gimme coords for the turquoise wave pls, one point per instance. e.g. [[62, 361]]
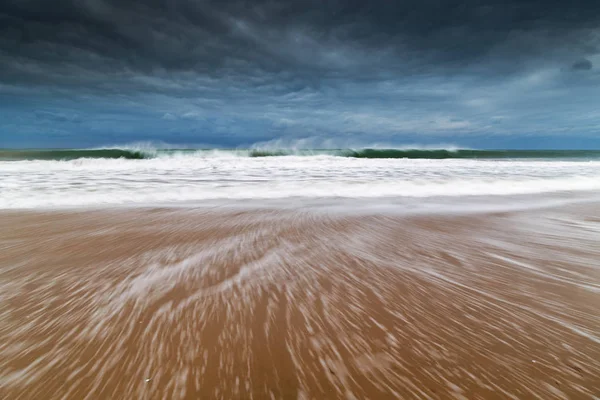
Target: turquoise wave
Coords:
[[434, 154], [471, 154], [22, 155]]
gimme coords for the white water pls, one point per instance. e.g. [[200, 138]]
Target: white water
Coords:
[[189, 179]]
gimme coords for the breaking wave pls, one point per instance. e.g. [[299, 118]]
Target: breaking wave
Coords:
[[150, 153]]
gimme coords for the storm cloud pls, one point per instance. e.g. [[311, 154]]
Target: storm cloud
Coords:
[[233, 73], [583, 65]]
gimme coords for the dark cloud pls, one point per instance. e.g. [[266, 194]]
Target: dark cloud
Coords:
[[295, 67], [218, 38], [582, 65]]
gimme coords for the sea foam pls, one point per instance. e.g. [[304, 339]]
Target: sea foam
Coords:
[[185, 177]]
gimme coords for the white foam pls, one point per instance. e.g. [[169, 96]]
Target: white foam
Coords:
[[186, 177]]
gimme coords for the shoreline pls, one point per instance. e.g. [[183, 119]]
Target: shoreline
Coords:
[[145, 303], [399, 206]]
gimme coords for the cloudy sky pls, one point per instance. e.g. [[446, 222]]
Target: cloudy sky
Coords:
[[230, 73]]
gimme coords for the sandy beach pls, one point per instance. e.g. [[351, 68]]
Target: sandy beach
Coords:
[[233, 304]]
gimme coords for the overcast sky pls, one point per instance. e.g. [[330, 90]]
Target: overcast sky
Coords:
[[488, 73]]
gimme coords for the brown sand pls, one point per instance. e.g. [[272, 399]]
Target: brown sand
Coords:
[[189, 304]]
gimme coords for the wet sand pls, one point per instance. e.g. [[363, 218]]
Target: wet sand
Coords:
[[190, 304]]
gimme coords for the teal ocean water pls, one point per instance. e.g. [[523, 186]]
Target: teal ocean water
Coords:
[[434, 154]]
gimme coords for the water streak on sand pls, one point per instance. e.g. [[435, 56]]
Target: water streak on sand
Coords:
[[187, 303]]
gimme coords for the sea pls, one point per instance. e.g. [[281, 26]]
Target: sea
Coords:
[[411, 180]]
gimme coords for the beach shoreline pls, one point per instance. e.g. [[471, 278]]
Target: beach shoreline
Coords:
[[214, 303]]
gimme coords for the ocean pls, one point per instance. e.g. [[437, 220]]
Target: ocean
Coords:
[[32, 179]]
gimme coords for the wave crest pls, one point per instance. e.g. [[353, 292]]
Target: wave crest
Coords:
[[141, 153], [67, 155]]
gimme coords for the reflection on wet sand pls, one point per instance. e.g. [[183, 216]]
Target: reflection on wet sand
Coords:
[[189, 304]]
